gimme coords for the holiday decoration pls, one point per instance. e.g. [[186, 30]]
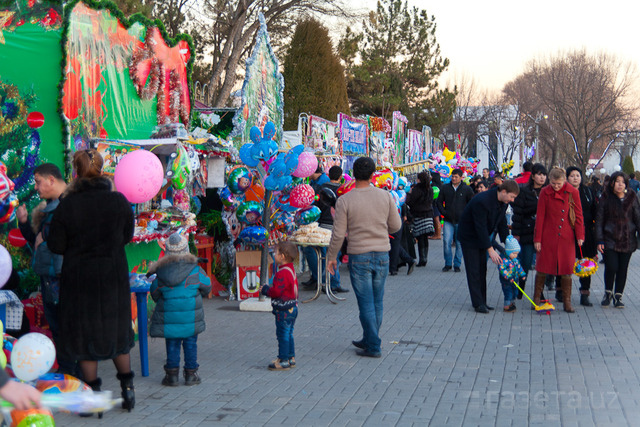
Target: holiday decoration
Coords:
[[138, 176], [16, 238]]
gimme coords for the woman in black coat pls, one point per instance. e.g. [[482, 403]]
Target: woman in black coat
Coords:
[[524, 217], [90, 228], [589, 203], [420, 201], [617, 224]]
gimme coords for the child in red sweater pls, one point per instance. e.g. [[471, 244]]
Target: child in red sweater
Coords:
[[284, 300]]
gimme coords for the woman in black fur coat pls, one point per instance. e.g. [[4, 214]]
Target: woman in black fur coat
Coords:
[[90, 228], [617, 224], [420, 201], [589, 203]]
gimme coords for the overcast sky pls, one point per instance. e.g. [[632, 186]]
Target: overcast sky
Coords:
[[492, 40]]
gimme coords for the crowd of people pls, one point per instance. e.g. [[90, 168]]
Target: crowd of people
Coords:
[[80, 230]]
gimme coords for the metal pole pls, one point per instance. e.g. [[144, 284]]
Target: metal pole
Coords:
[[264, 259]]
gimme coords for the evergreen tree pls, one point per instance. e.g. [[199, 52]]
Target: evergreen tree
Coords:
[[627, 165], [394, 65], [314, 79]]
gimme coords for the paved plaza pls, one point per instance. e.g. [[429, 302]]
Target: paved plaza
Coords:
[[442, 363]]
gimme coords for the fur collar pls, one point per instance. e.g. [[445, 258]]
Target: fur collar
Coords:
[[170, 259], [37, 216], [99, 183]]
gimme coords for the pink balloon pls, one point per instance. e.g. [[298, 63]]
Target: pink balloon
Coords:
[[139, 176], [302, 196], [307, 165]]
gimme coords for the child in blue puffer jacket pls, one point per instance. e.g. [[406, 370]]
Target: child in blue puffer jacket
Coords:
[[179, 317]]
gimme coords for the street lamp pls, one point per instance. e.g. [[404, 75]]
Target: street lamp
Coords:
[[539, 116]]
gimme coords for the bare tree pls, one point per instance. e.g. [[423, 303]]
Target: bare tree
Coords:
[[465, 122], [586, 97], [231, 26]]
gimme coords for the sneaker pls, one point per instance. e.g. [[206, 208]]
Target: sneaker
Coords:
[[617, 301], [510, 308], [279, 365], [446, 268], [292, 362], [606, 300]]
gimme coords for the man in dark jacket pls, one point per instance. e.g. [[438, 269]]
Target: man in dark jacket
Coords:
[[50, 184], [452, 200], [482, 217]]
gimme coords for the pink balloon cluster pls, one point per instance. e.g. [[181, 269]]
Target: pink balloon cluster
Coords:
[[307, 165]]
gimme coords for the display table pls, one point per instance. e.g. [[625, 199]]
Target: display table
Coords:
[[327, 278]]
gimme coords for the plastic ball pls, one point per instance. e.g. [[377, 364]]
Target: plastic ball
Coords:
[[301, 196], [32, 355], [249, 212], [139, 176], [239, 180], [308, 215], [307, 165]]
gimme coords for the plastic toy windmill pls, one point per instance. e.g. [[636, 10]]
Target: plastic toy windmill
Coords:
[[546, 307], [585, 267]]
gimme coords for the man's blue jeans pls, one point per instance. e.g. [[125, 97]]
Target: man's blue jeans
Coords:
[[449, 233], [312, 261], [368, 273], [285, 320], [190, 346]]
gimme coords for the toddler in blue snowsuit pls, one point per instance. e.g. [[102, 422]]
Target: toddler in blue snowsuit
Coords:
[[510, 271]]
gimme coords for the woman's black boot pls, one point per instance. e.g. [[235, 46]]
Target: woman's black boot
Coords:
[[128, 392]]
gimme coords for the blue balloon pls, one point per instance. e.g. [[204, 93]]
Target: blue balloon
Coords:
[[255, 235], [246, 157]]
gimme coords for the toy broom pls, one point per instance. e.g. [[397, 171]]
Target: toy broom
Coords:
[[547, 306]]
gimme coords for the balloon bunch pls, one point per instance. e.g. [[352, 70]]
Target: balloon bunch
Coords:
[[290, 200], [506, 168], [445, 161], [390, 181]]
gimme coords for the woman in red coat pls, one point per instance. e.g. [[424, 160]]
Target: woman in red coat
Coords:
[[555, 235]]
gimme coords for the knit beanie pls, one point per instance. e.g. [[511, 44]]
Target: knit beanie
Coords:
[[176, 245], [511, 245]]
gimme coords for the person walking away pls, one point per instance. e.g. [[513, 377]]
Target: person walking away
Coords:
[[525, 208], [50, 185], [90, 227], [510, 272], [633, 183], [284, 301], [527, 167], [178, 290], [420, 202], [327, 195], [369, 215], [559, 223], [589, 210], [617, 225], [484, 216], [452, 200]]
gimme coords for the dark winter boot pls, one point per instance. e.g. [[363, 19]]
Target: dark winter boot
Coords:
[[584, 299], [566, 293], [539, 286], [606, 300], [617, 301], [95, 386], [423, 250], [128, 393], [191, 376], [171, 377]]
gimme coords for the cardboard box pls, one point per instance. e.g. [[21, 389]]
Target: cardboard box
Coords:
[[248, 274]]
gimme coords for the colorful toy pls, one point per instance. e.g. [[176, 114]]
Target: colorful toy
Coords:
[[264, 148], [8, 199], [281, 169], [585, 267], [545, 306], [179, 170]]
